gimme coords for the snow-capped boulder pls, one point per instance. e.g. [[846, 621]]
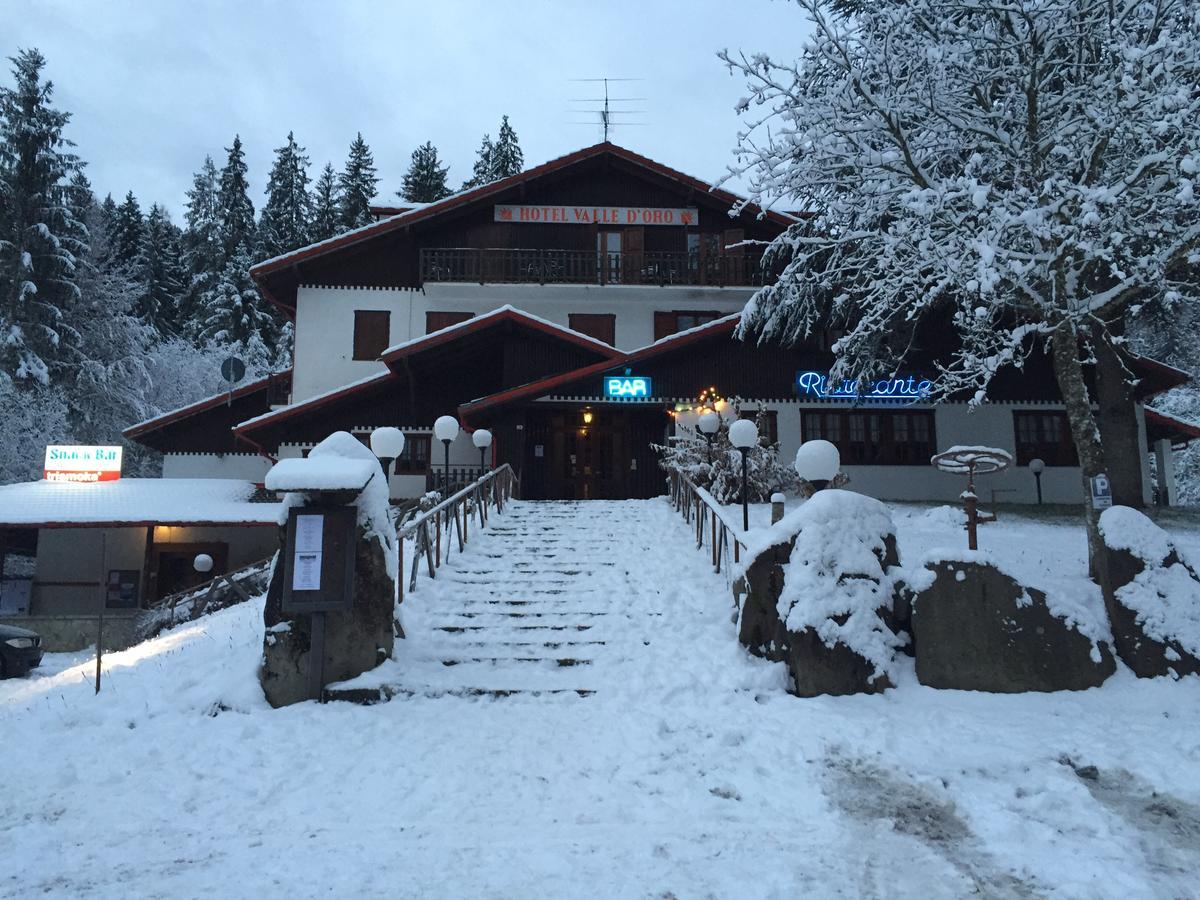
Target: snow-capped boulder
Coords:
[[358, 640], [976, 628], [1152, 595], [819, 595]]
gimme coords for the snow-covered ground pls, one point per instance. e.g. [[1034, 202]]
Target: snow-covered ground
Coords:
[[687, 773]]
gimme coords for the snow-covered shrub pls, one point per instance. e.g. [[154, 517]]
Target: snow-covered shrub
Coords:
[[688, 454]]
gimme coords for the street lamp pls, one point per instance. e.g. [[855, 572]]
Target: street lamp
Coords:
[[743, 434], [817, 462], [482, 438], [1037, 467], [387, 444], [709, 425], [203, 563], [445, 429]]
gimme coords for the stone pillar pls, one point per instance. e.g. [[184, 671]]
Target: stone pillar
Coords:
[[1164, 461]]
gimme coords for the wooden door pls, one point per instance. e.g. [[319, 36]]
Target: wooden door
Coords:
[[633, 256]]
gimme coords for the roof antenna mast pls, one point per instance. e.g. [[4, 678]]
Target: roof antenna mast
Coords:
[[609, 114]]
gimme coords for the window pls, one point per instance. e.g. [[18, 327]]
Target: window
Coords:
[[1045, 436], [772, 422], [668, 323], [603, 327], [875, 438], [371, 328], [415, 458], [436, 321]]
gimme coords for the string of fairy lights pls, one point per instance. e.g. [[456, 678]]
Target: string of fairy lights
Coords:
[[710, 400]]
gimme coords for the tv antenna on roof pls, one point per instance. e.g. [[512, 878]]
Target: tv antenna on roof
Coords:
[[610, 117]]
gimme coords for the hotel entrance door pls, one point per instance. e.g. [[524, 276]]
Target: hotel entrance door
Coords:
[[599, 453]]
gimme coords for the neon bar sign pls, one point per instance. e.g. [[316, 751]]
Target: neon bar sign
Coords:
[[817, 384], [626, 386]]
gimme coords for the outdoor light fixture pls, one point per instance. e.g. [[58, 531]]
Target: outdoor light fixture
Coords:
[[203, 563], [445, 429], [709, 424], [743, 434], [587, 417], [817, 462], [387, 444], [1037, 467], [482, 438]]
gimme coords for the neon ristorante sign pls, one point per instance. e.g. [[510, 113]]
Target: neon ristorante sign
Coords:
[[911, 388]]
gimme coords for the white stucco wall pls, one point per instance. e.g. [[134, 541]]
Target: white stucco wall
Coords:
[[247, 466], [325, 317]]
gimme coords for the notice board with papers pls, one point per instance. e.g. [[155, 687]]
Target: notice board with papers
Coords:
[[318, 559]]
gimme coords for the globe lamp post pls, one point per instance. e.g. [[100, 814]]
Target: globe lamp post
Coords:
[[818, 462], [387, 444], [709, 424], [743, 434], [445, 429], [1037, 467], [482, 438]]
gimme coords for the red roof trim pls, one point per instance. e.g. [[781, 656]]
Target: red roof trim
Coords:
[[459, 200], [1170, 423], [312, 403], [546, 385], [1172, 376], [139, 524], [487, 320], [201, 406]]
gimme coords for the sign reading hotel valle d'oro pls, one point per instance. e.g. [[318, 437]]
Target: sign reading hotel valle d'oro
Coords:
[[596, 215], [626, 386], [68, 462], [818, 384]]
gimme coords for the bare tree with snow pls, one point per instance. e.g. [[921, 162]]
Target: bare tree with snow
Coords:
[[1019, 170]]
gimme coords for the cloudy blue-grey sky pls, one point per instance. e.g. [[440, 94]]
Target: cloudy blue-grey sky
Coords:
[[154, 86]]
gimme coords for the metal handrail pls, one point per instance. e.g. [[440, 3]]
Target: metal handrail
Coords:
[[698, 506], [494, 489]]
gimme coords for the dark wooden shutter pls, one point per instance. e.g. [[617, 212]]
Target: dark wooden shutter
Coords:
[[371, 327], [733, 268], [633, 256], [436, 321], [601, 326], [664, 324]]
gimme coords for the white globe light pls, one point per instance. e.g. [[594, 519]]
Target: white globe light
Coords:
[[445, 428], [481, 438], [203, 563], [818, 461], [709, 423], [1037, 466], [743, 434], [387, 443]]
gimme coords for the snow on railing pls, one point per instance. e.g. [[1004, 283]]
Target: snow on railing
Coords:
[[701, 510], [425, 529]]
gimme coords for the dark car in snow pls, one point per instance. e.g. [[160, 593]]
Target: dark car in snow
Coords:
[[20, 650]]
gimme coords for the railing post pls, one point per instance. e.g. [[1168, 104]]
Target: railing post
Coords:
[[400, 565]]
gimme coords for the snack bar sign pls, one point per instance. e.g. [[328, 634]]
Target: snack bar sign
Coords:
[[69, 462], [596, 215]]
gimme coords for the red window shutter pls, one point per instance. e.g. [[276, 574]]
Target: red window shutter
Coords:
[[601, 326], [436, 321], [664, 325], [371, 328]]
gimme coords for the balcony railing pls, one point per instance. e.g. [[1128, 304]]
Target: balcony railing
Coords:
[[510, 266]]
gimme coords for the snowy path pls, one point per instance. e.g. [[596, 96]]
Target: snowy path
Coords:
[[688, 773], [564, 598]]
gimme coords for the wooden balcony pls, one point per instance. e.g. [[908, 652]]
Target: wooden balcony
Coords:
[[642, 267]]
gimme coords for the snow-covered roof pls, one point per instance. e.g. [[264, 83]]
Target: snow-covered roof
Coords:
[[316, 399], [134, 501], [321, 474], [207, 403], [507, 310]]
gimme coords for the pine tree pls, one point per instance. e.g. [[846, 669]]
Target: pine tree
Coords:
[[425, 181], [40, 238], [287, 213], [233, 203], [326, 215], [233, 311], [128, 228], [161, 274], [507, 158], [481, 172], [356, 185], [203, 252]]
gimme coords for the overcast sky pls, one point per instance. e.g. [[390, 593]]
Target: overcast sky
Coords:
[[154, 86]]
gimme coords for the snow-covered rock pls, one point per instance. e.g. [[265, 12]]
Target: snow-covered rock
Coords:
[[1152, 595]]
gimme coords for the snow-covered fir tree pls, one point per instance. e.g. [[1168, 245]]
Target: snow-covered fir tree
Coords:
[[203, 246], [234, 313], [128, 229], [286, 216], [160, 273], [40, 238], [481, 170], [326, 206], [507, 158], [357, 186], [425, 180], [948, 187], [234, 207]]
